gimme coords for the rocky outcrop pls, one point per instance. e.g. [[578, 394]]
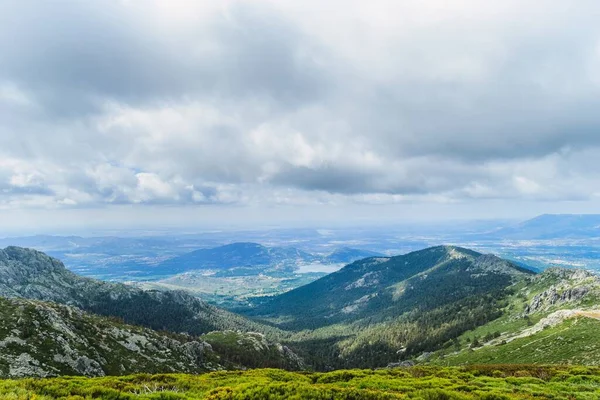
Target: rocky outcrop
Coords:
[[564, 286], [554, 319], [555, 296], [44, 339], [401, 364]]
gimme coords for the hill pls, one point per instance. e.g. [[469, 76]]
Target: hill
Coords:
[[46, 339], [385, 309], [234, 255], [31, 274], [383, 287]]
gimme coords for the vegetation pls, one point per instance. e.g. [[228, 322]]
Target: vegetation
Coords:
[[498, 382], [47, 339], [251, 350], [574, 340], [443, 305], [381, 310], [34, 275]]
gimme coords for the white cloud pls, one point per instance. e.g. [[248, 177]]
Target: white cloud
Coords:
[[298, 103]]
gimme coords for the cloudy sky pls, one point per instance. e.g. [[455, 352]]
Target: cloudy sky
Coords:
[[194, 112]]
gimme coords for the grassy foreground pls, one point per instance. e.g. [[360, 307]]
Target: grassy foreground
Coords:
[[492, 382]]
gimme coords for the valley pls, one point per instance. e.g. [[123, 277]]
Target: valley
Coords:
[[238, 269], [433, 307], [299, 200], [443, 305]]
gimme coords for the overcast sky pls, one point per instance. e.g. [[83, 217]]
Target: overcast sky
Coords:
[[195, 112]]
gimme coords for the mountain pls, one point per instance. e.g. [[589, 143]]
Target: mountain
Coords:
[[252, 258], [46, 339], [552, 226], [388, 309], [234, 255], [34, 275], [383, 287]]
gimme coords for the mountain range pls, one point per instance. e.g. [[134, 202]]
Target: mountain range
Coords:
[[550, 226], [444, 304]]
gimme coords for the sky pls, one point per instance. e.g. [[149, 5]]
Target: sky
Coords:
[[125, 113]]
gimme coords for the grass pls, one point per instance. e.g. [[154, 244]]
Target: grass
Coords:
[[575, 340], [497, 382]]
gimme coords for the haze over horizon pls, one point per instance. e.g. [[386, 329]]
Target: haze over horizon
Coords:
[[138, 114]]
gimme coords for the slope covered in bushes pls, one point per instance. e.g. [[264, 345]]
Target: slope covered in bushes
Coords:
[[500, 382]]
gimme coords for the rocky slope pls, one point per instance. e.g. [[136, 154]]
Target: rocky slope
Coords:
[[47, 339], [31, 274]]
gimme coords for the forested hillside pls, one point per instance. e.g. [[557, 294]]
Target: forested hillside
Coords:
[[383, 310], [379, 288]]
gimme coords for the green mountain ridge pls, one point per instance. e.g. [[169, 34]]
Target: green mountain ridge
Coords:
[[381, 287], [384, 310]]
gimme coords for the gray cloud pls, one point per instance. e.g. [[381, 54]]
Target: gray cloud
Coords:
[[257, 102], [74, 55]]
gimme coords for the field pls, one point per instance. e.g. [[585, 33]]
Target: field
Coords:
[[495, 382], [232, 291]]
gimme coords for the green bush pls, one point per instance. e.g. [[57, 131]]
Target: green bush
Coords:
[[484, 382]]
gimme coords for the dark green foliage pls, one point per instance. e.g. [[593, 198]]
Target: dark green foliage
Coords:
[[250, 350], [381, 289], [381, 310]]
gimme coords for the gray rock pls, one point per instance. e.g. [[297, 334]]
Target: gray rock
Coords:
[[402, 364]]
